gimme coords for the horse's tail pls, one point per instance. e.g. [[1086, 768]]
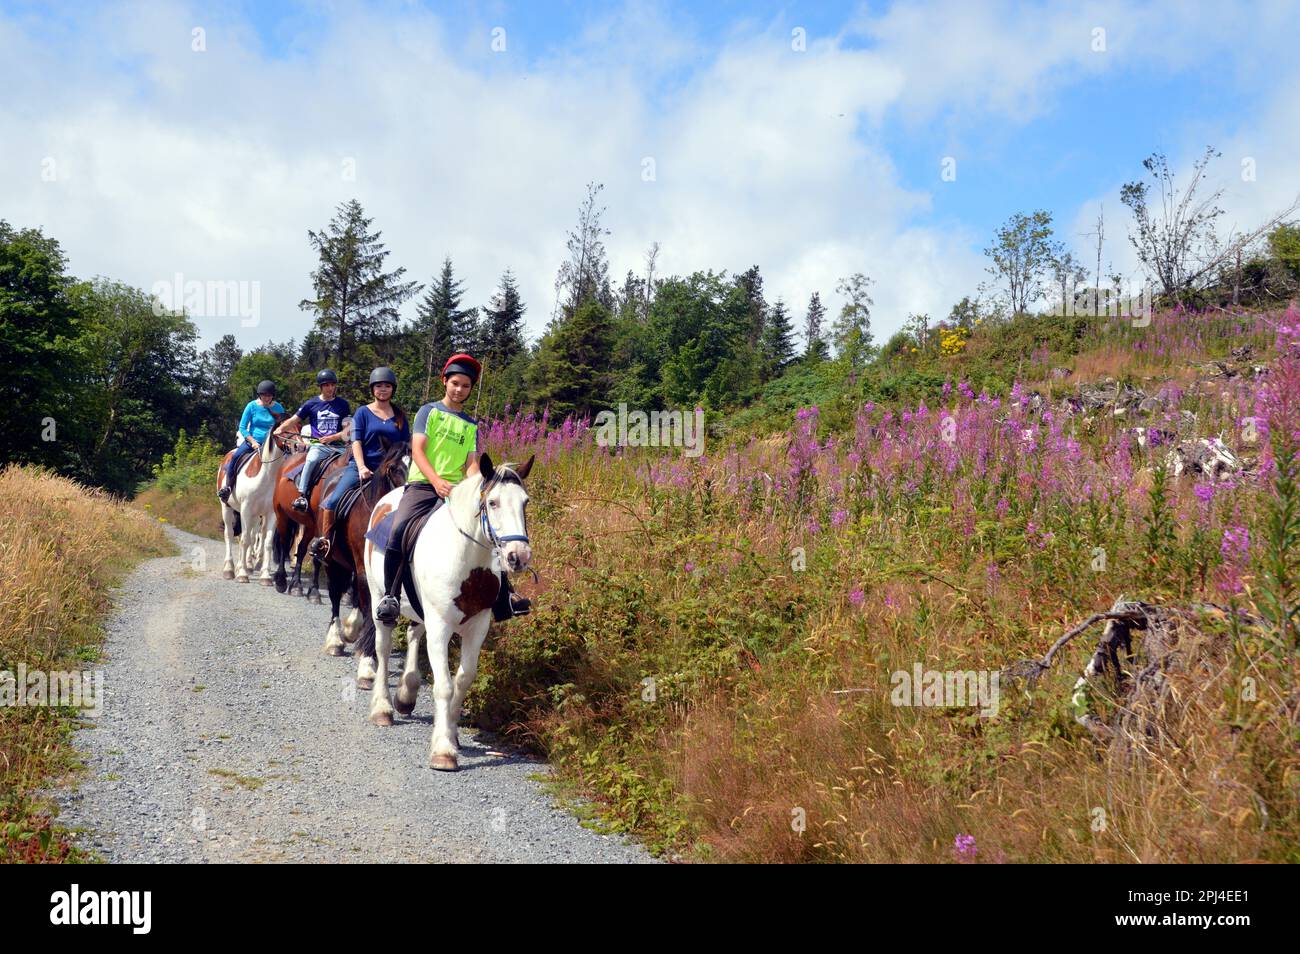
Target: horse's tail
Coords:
[[365, 643]]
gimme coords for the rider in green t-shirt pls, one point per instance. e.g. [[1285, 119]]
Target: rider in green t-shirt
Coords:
[[444, 450]]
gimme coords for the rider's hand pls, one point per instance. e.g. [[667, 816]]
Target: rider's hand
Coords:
[[442, 485], [365, 472]]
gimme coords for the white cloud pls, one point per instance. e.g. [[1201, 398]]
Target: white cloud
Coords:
[[215, 164]]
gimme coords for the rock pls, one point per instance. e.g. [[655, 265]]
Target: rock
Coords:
[[1207, 457]]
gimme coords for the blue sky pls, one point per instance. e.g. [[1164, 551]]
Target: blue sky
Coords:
[[147, 158]]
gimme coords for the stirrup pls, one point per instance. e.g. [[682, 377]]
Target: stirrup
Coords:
[[388, 609], [300, 504], [224, 494], [520, 605], [320, 548]]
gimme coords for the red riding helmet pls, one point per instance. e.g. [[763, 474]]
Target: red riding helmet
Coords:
[[462, 364]]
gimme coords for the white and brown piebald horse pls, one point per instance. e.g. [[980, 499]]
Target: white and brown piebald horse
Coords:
[[478, 531], [249, 513]]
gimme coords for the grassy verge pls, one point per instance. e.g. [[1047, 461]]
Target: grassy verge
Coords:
[[714, 650], [183, 491], [62, 546]]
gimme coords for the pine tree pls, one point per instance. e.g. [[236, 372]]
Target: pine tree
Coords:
[[777, 346], [571, 374], [815, 344], [584, 275], [440, 323], [356, 300], [751, 284], [503, 323]]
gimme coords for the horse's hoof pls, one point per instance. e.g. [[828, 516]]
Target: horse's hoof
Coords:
[[334, 651], [365, 682], [443, 763], [405, 708], [243, 579], [317, 600], [227, 574], [267, 582], [382, 718]]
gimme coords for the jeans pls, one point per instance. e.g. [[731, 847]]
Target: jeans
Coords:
[[316, 455], [347, 480], [237, 459]]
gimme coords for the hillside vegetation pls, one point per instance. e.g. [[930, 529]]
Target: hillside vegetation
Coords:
[[62, 546], [715, 639]]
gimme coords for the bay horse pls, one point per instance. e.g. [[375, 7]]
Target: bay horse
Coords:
[[248, 513], [345, 569], [480, 529], [289, 521]]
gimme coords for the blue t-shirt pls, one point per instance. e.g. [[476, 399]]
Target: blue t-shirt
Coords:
[[324, 416], [368, 428], [258, 419]]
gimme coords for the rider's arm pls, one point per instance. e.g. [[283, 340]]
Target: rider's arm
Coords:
[[358, 436], [287, 424], [245, 422]]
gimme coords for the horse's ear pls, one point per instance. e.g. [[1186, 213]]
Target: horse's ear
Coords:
[[523, 471], [485, 466]]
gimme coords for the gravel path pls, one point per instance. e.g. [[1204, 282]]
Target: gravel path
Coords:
[[226, 735]]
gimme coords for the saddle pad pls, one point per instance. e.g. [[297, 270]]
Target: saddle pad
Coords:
[[292, 473], [380, 532]]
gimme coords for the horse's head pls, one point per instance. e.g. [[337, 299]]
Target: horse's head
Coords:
[[504, 502], [391, 470]]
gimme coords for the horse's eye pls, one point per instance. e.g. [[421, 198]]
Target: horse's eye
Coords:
[[494, 503]]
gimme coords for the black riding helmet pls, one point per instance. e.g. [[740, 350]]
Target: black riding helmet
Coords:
[[327, 377], [266, 387], [383, 376]]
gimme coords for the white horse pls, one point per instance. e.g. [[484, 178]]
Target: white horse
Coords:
[[250, 511], [480, 529]]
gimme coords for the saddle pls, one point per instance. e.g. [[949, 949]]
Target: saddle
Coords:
[[380, 535]]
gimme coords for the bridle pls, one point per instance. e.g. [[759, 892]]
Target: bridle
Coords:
[[495, 538]]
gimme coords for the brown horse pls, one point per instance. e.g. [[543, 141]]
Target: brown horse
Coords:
[[289, 521], [345, 567]]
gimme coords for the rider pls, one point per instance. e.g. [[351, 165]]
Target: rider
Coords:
[[325, 414], [381, 419], [259, 417], [445, 449]]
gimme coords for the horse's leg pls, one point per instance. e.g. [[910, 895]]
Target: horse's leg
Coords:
[[246, 531], [408, 687], [314, 592], [442, 752], [366, 635], [280, 550], [338, 579], [471, 642], [381, 703], [228, 521], [267, 547]]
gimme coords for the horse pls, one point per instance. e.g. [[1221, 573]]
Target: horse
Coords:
[[288, 521], [248, 513], [479, 529], [344, 567]]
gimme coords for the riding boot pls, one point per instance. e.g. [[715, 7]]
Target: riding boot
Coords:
[[509, 603], [320, 547], [390, 605]]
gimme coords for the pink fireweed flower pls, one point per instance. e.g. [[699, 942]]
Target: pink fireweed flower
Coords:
[[839, 517], [963, 847], [1236, 544], [857, 597]]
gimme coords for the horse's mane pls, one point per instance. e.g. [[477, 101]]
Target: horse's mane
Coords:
[[390, 473]]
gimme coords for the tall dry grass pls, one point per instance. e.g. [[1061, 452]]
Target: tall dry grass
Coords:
[[62, 546]]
